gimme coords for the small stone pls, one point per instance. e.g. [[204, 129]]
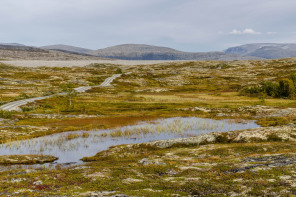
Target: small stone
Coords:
[[17, 180], [131, 180], [81, 167], [38, 182], [285, 177], [120, 195], [171, 172], [146, 161], [98, 194]]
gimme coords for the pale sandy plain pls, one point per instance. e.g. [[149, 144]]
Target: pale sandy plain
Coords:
[[80, 63]]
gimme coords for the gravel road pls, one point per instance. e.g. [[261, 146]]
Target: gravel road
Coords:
[[15, 106]]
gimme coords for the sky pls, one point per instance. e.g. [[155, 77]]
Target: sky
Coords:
[[187, 25]]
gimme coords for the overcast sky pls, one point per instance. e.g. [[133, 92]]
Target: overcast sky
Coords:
[[188, 25]]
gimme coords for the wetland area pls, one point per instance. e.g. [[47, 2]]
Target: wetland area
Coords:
[[195, 128], [71, 147]]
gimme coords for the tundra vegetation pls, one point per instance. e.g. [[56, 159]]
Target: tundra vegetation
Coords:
[[259, 162]]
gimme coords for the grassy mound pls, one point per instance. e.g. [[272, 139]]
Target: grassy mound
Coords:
[[26, 159]]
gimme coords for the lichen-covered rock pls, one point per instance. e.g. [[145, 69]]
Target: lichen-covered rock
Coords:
[[202, 139], [146, 162], [268, 111], [277, 133]]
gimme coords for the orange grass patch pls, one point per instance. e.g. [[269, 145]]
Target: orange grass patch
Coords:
[[104, 122]]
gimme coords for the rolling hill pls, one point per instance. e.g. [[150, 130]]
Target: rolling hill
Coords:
[[67, 48], [22, 52], [149, 52], [265, 50], [146, 52]]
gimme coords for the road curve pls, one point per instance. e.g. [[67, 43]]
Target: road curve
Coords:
[[15, 106], [106, 83]]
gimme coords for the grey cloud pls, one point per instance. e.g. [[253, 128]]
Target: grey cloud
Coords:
[[190, 25]]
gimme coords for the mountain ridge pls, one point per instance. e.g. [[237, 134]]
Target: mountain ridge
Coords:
[[64, 47], [16, 51], [241, 52], [150, 52], [265, 50]]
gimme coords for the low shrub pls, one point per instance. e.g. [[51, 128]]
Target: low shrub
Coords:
[[285, 88]]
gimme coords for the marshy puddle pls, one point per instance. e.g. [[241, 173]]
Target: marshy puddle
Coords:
[[72, 146]]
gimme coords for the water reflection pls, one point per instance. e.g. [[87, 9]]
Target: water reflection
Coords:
[[72, 146]]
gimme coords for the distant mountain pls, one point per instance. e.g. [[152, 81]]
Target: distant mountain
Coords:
[[23, 52], [15, 46], [12, 44], [67, 48], [264, 50], [149, 52]]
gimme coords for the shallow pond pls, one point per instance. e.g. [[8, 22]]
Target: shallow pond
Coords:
[[72, 146]]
